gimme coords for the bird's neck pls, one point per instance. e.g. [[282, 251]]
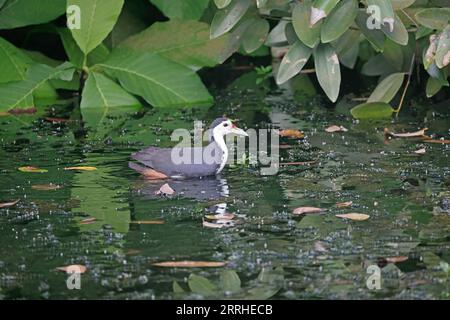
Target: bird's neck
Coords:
[[220, 141]]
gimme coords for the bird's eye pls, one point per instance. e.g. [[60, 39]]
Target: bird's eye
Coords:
[[225, 124]]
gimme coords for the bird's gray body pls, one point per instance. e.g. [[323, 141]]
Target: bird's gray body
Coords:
[[162, 160]]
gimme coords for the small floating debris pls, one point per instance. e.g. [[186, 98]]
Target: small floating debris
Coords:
[[165, 190], [291, 133], [9, 204], [344, 204], [46, 187], [88, 221], [335, 128], [354, 216], [319, 247], [221, 216], [443, 141], [189, 264], [396, 259], [148, 222], [81, 168], [73, 268], [420, 151], [32, 169], [305, 210], [416, 134]]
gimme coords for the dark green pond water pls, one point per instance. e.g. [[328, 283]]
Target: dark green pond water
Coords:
[[274, 253]]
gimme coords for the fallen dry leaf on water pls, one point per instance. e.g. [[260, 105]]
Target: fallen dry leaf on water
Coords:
[[291, 133], [319, 247], [221, 216], [32, 169], [207, 224], [147, 222], [437, 141], [304, 210], [420, 151], [88, 221], [420, 133], [396, 259], [45, 187], [56, 120], [344, 204], [165, 190], [189, 264], [335, 128], [3, 114], [299, 163], [81, 168], [354, 216], [73, 268], [8, 204]]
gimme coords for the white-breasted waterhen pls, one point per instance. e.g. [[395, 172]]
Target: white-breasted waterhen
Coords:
[[163, 163]]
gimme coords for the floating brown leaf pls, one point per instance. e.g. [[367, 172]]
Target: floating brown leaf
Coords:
[[32, 169], [420, 133], [304, 210], [73, 268], [207, 224], [396, 259], [319, 247], [335, 128], [45, 187], [9, 204], [81, 168], [147, 222], [56, 120], [344, 204], [420, 151], [19, 111], [437, 141], [165, 190], [88, 221], [354, 216], [291, 133], [189, 264], [299, 163], [221, 216]]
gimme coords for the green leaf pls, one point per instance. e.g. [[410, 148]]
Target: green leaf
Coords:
[[161, 82], [433, 18], [401, 4], [185, 9], [377, 66], [350, 57], [222, 3], [192, 47], [328, 71], [339, 20], [76, 56], [386, 11], [235, 38], [100, 92], [393, 54], [387, 89], [98, 18], [13, 63], [255, 36], [19, 13], [433, 87], [225, 19], [277, 36], [442, 57], [372, 110], [293, 62], [398, 33], [19, 94], [177, 288], [300, 19], [201, 285], [320, 9], [230, 281], [374, 36]]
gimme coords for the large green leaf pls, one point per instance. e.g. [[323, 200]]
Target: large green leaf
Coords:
[[339, 20], [161, 82], [300, 20], [13, 64], [442, 57], [185, 9], [98, 18], [386, 11], [230, 281], [433, 87], [192, 47], [201, 285], [401, 4], [19, 94], [76, 56], [293, 62], [433, 18], [328, 71], [19, 13], [222, 3], [256, 35], [374, 36], [320, 9], [373, 110], [398, 33], [388, 88], [225, 19]]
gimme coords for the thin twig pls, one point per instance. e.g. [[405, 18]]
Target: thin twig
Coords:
[[397, 111]]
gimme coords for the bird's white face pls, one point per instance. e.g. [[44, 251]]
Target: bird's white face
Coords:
[[228, 127]]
